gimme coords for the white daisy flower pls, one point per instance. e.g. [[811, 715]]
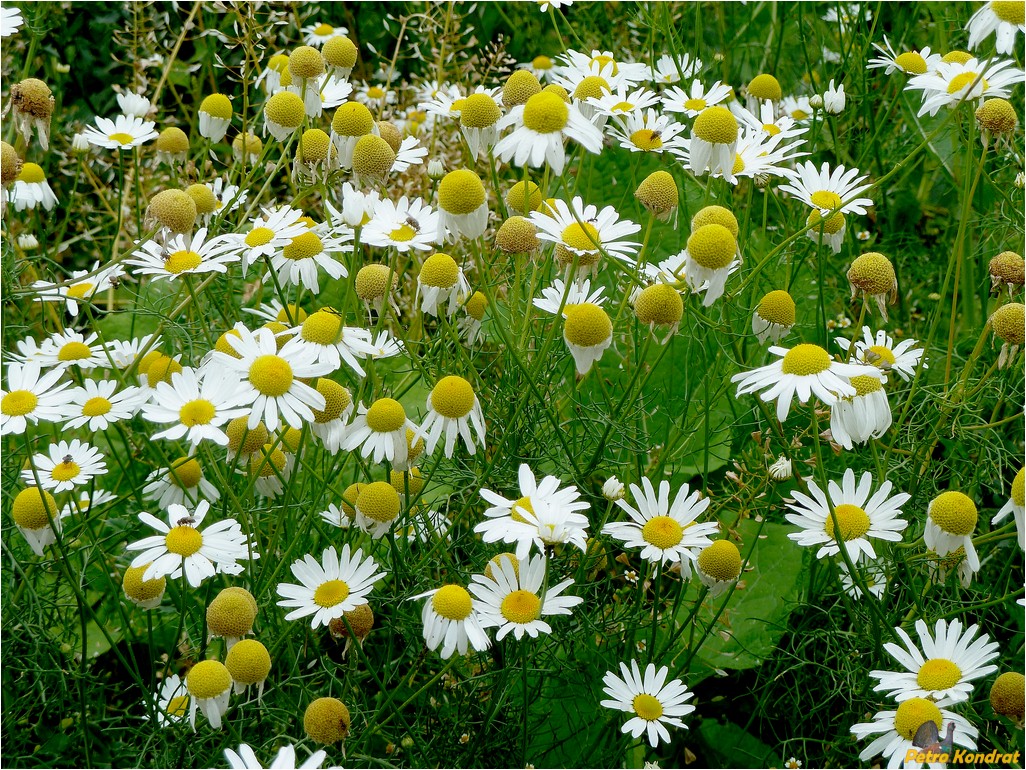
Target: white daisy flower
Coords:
[[271, 378], [1016, 506], [403, 225], [196, 405], [951, 519], [544, 525], [387, 346], [798, 108], [864, 416], [453, 407], [124, 353], [210, 685], [66, 349], [767, 121], [712, 254], [86, 501], [620, 102], [285, 759], [879, 350], [859, 516], [713, 145], [324, 333], [441, 282], [1005, 20], [803, 370], [229, 197], [358, 208], [516, 600], [182, 549], [559, 296], [828, 190], [601, 63], [694, 100], [171, 702], [451, 621], [945, 669], [122, 133], [270, 233], [910, 62], [665, 532], [653, 702], [339, 583], [31, 189], [133, 105], [588, 333], [297, 262], [177, 257], [541, 125], [380, 433], [36, 516], [972, 81], [898, 729], [65, 466], [31, 396], [641, 131], [583, 233], [97, 405], [873, 575], [319, 34], [760, 155], [669, 69], [376, 97], [337, 517], [180, 483], [80, 287], [10, 21]]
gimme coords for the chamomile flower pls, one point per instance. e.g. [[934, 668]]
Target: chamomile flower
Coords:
[[603, 65], [86, 501], [695, 99], [80, 288], [324, 333], [321, 33], [798, 108], [515, 600], [379, 432], [543, 525], [441, 281], [210, 686], [910, 62], [559, 296], [97, 405], [270, 234], [31, 189], [665, 531], [132, 104], [620, 102], [171, 701], [859, 516], [337, 517], [654, 702], [649, 132], [36, 516], [945, 669], [713, 145], [271, 378], [195, 405], [66, 349], [403, 225], [334, 92], [122, 133], [228, 197], [898, 728], [65, 466], [760, 155], [182, 549], [587, 332], [453, 407], [339, 583], [340, 56], [375, 96], [451, 621], [1016, 506], [285, 759], [952, 82], [541, 126], [859, 418], [178, 257], [774, 316], [951, 519], [583, 233], [298, 261], [1004, 19], [10, 21], [880, 351], [669, 69], [31, 396], [873, 575], [768, 122], [803, 370], [358, 208], [181, 482], [826, 190], [710, 257]]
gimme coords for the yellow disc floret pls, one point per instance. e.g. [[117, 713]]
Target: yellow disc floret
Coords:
[[721, 560], [378, 501], [804, 360], [1010, 11], [461, 192], [520, 86], [938, 674], [30, 507], [268, 460], [591, 86], [658, 192], [663, 532], [911, 62], [517, 235], [386, 415], [954, 512], [204, 198], [452, 602], [659, 304], [1009, 322], [997, 116], [777, 307], [340, 51], [174, 209], [326, 721], [322, 328], [873, 273], [241, 439], [314, 146], [10, 163], [496, 562], [232, 612], [372, 156], [712, 246], [1019, 488], [337, 400], [218, 106], [524, 197], [306, 62], [208, 679], [271, 375], [546, 113], [33, 97], [1009, 268], [360, 619], [161, 370], [647, 707], [352, 119], [285, 109], [587, 325], [18, 403], [716, 125], [453, 397], [139, 589], [173, 141], [1008, 694], [479, 111], [913, 713], [521, 607], [715, 215], [476, 306], [765, 87], [852, 521], [248, 662], [439, 270], [412, 479], [372, 281]]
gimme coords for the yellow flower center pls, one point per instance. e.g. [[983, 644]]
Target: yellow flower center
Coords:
[[32, 173], [765, 87], [864, 384], [80, 290], [525, 503], [546, 113], [439, 270], [1010, 11], [911, 62], [74, 351], [582, 236], [593, 85], [352, 119], [218, 106], [479, 111], [18, 402], [208, 679], [521, 607], [30, 508], [196, 412], [303, 247], [716, 125], [913, 714], [852, 520], [659, 304], [938, 674], [541, 63], [271, 375], [965, 79], [386, 415], [805, 359], [259, 236], [185, 473], [96, 406], [715, 215], [402, 234], [452, 397], [461, 192], [955, 513], [721, 560], [324, 29], [139, 589], [771, 128], [322, 328], [375, 92], [248, 662], [777, 307], [1019, 488], [65, 471], [587, 325], [452, 602], [647, 707], [825, 199], [182, 261], [184, 541], [696, 105], [712, 246], [121, 138], [378, 501], [662, 532], [647, 140], [330, 593], [831, 225], [605, 61]]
